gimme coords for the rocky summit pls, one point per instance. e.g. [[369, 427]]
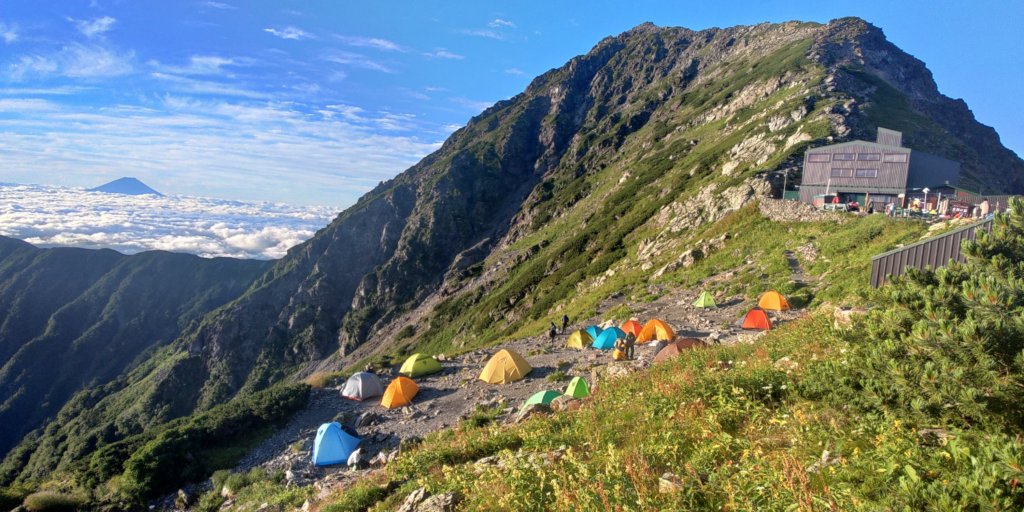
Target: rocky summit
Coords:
[[604, 183]]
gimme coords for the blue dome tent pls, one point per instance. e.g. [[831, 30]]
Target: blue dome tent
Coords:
[[594, 331], [333, 444], [606, 341]]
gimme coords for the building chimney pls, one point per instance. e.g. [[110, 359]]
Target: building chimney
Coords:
[[887, 137]]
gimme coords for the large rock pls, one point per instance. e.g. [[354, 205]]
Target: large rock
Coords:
[[565, 403], [530, 411], [844, 316], [438, 503], [412, 500]]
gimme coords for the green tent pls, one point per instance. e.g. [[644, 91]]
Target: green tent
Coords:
[[544, 397], [705, 301], [578, 388], [420, 364]]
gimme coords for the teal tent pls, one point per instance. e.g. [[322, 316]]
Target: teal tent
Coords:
[[333, 444], [606, 341], [578, 387], [594, 331], [544, 397]]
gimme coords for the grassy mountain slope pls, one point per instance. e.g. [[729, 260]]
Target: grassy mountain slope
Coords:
[[588, 183], [73, 319]]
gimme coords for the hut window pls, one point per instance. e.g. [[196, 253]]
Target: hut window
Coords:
[[842, 173], [818, 157], [895, 157], [867, 173], [870, 157], [844, 156]]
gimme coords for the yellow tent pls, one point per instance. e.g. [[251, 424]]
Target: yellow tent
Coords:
[[579, 339], [655, 330], [399, 393], [506, 366], [773, 300]]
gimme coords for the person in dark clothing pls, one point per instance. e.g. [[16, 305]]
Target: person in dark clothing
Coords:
[[565, 323], [630, 344], [552, 331]]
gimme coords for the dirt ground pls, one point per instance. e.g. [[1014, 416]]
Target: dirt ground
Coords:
[[455, 393]]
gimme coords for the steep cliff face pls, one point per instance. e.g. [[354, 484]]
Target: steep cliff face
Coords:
[[539, 198], [72, 319]]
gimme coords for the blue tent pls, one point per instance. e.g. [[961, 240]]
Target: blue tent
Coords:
[[606, 341], [334, 443], [594, 331]]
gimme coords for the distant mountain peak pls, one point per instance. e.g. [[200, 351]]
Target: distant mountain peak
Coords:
[[127, 186]]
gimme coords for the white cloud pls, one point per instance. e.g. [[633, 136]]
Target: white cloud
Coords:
[[276, 151], [440, 89], [202, 65], [59, 216], [483, 33], [514, 71], [96, 27], [9, 33], [75, 60], [371, 42], [25, 105], [441, 53], [290, 33], [217, 5], [355, 60], [477, 106], [501, 23], [193, 86]]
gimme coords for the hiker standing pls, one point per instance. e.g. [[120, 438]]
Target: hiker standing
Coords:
[[984, 208], [629, 345], [565, 322], [552, 332]]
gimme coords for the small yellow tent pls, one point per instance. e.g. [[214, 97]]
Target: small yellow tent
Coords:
[[399, 393], [579, 339], [506, 366], [773, 300], [655, 330]]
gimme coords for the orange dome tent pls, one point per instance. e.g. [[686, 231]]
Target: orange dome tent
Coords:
[[755, 319], [399, 393], [655, 330], [672, 350], [632, 326], [774, 301], [506, 366]]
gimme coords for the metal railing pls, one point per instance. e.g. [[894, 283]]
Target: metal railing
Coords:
[[933, 252]]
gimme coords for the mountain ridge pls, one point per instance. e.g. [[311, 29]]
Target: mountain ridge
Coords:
[[634, 144], [126, 186]]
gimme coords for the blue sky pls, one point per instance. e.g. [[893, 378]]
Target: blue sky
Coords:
[[316, 102]]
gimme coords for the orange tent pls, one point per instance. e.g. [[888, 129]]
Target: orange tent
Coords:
[[675, 348], [773, 300], [632, 326], [755, 319], [655, 330], [399, 393]]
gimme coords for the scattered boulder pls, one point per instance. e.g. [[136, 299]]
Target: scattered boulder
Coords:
[[935, 436], [184, 499], [844, 316], [364, 420], [530, 411], [618, 370], [438, 503], [412, 500], [670, 483], [565, 403]]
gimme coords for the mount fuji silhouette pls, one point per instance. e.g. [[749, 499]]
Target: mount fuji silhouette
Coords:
[[127, 186]]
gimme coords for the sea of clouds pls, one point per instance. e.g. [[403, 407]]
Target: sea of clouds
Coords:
[[51, 216]]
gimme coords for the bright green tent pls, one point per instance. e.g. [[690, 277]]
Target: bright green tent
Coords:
[[705, 301], [420, 364], [577, 388], [544, 397]]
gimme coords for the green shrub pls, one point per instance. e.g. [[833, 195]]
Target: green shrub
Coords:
[[50, 501], [11, 497], [219, 477], [557, 376], [407, 332], [236, 482]]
